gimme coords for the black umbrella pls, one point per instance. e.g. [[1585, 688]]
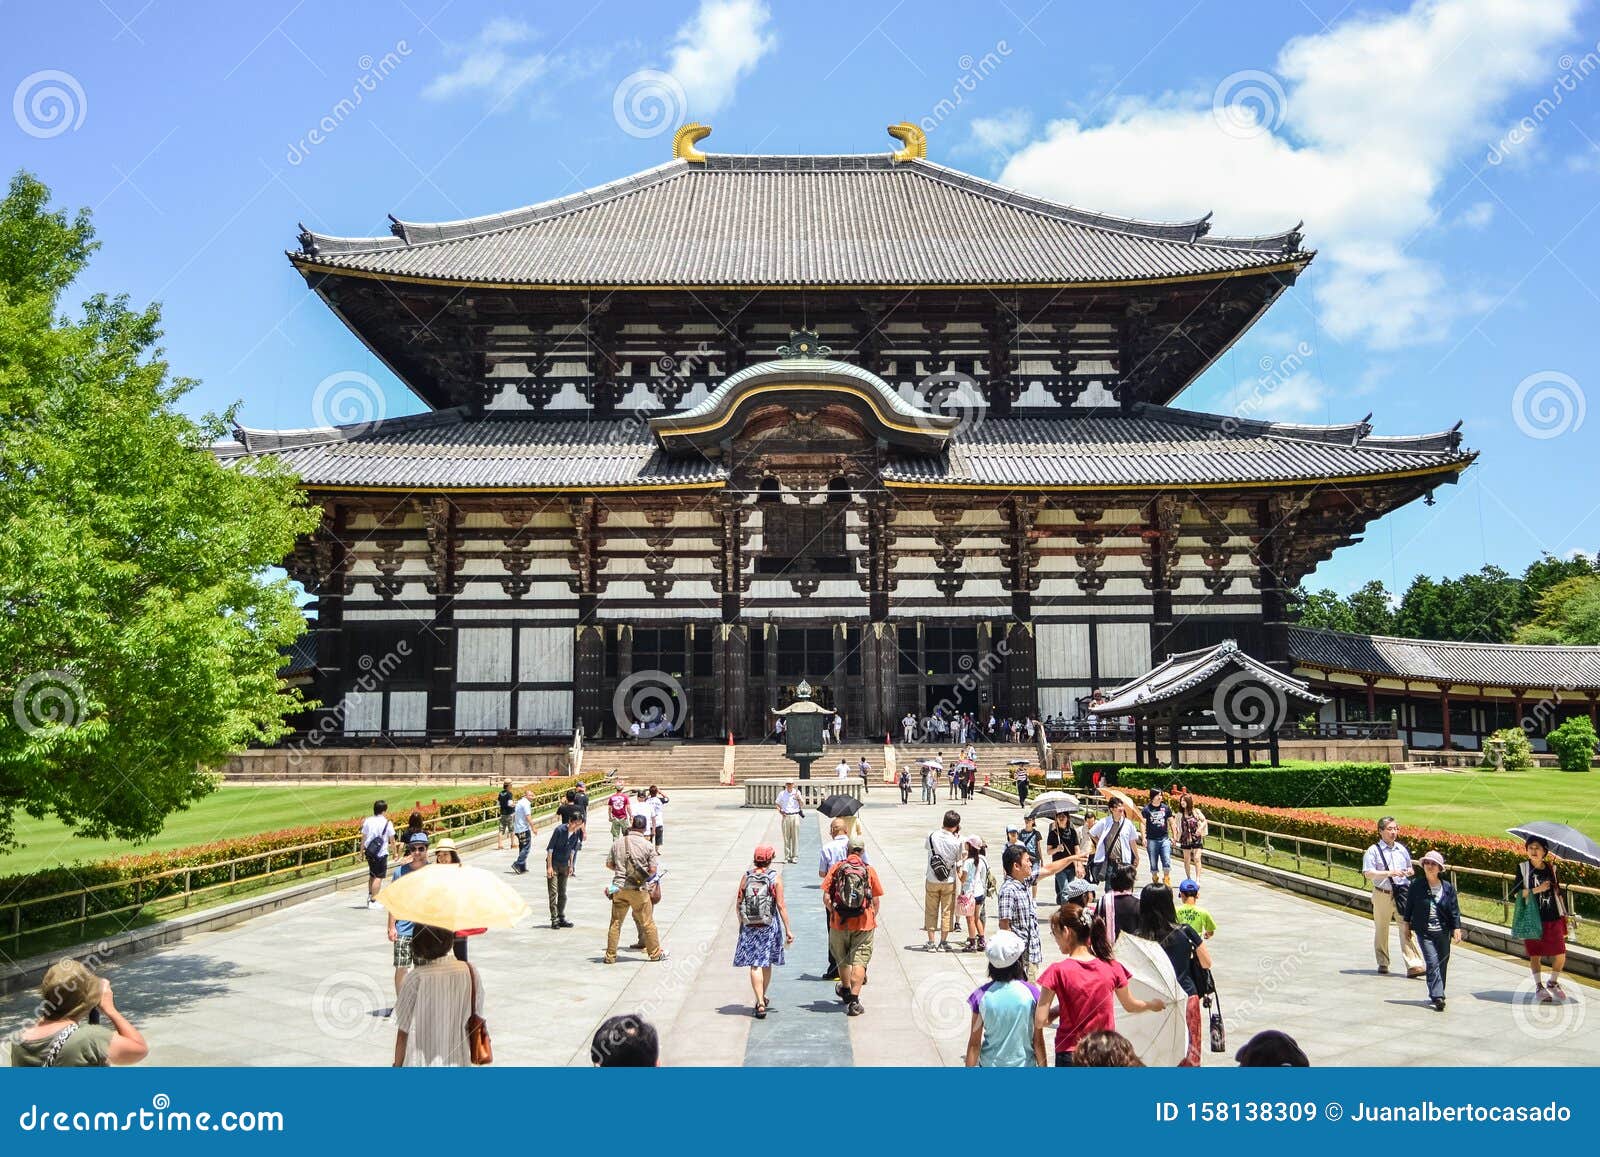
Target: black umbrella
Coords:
[[1567, 843], [839, 805], [1059, 804]]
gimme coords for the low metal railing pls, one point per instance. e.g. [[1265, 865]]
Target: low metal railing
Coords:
[[1480, 883], [177, 885]]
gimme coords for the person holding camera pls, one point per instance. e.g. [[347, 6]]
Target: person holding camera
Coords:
[[70, 996]]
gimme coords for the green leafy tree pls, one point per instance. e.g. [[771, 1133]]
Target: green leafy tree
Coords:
[[1545, 572], [1372, 609], [1568, 612], [139, 633], [1573, 742], [1322, 609]]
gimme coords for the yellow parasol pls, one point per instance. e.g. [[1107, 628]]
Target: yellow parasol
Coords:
[[1112, 793], [453, 896]]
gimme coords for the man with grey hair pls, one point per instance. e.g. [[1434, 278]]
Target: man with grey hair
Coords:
[[1387, 865]]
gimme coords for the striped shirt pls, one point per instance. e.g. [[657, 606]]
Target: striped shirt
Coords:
[[432, 1011]]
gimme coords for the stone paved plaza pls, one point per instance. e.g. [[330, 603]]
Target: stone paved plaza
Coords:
[[308, 985]]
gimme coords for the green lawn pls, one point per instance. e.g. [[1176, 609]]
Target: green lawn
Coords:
[[228, 812], [1487, 803]]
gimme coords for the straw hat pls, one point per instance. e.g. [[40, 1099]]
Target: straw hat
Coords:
[[69, 990]]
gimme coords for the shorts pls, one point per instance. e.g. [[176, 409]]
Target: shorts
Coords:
[[378, 866], [402, 952], [850, 947], [505, 824]]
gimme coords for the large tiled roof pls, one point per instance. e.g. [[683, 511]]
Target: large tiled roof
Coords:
[[1177, 676], [1460, 664], [444, 450], [812, 220], [1158, 446]]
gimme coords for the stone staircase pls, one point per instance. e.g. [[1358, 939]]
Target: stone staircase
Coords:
[[670, 763]]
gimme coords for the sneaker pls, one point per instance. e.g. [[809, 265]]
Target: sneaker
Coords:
[[639, 947], [946, 946], [1556, 990], [1438, 1004], [659, 957], [371, 903], [1383, 970], [854, 1008], [839, 991], [566, 924], [1546, 996], [555, 924]]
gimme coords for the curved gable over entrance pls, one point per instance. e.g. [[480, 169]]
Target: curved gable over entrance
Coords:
[[803, 383]]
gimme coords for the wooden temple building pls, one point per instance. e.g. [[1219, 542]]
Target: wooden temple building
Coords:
[[1448, 695], [737, 421]]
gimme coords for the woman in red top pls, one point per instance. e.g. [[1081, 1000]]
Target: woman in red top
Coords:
[[1077, 991]]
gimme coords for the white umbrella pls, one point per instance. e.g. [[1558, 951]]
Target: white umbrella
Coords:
[[1160, 1038]]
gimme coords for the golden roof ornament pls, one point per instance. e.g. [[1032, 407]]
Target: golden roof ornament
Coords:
[[914, 140], [685, 139]]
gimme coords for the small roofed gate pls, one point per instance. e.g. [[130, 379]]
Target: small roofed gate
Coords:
[[1218, 698]]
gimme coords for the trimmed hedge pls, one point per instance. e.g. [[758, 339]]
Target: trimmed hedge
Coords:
[[1297, 783], [1459, 850], [208, 862]]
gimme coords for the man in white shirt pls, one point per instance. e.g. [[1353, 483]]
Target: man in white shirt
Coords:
[[908, 727], [939, 882], [1387, 864], [377, 834], [1115, 837], [641, 807], [842, 768], [658, 820], [790, 809], [522, 828], [838, 727]]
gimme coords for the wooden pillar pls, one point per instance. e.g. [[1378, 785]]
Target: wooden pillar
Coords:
[[1444, 714], [1372, 699], [1021, 671], [1407, 714], [320, 564], [589, 707], [443, 583], [730, 660]]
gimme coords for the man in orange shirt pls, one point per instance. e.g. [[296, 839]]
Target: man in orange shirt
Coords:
[[851, 892]]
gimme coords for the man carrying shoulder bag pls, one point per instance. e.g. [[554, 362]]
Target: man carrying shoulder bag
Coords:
[[1387, 865]]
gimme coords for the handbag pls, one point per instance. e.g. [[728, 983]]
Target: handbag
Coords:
[[479, 1048], [1526, 923], [1219, 1031]]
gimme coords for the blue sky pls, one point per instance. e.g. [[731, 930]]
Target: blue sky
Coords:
[[1443, 156]]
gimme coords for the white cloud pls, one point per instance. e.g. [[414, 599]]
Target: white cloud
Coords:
[[502, 64], [1475, 216], [717, 48], [1295, 399], [491, 64], [1005, 132], [1357, 132]]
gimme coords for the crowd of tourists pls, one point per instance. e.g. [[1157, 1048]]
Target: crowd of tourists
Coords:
[[945, 725], [1036, 1007]]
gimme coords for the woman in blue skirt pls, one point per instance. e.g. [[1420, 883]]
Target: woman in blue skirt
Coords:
[[763, 924]]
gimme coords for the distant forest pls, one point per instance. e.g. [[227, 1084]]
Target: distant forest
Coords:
[[1555, 600]]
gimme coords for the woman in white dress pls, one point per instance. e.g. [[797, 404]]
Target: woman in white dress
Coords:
[[438, 996]]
